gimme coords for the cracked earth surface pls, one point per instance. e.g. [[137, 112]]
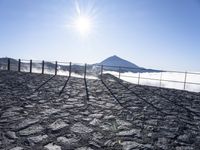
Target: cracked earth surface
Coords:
[[107, 114]]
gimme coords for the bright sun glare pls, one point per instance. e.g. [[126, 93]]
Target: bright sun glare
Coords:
[[84, 19], [83, 24]]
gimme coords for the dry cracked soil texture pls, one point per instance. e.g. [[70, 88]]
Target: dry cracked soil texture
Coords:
[[60, 113]]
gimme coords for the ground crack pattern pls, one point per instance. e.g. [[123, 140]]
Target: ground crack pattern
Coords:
[[94, 115]]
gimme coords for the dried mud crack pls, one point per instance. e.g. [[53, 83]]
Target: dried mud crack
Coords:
[[60, 113]]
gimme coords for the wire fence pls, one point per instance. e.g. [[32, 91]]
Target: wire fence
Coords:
[[160, 78]]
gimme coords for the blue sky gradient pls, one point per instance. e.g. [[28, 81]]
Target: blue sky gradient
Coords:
[[161, 34]]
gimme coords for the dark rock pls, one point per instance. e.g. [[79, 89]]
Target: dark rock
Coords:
[[17, 148], [80, 128], [11, 135], [36, 139], [52, 146], [128, 145], [31, 130], [58, 124]]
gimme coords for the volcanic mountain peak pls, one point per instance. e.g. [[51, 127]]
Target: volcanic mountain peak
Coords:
[[117, 61]]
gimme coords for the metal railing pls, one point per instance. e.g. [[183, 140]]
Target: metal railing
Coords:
[[161, 77], [141, 76]]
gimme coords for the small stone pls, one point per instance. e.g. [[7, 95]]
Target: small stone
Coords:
[[123, 123], [67, 141], [130, 132], [38, 138], [9, 114], [17, 148], [29, 106], [25, 123], [50, 111], [3, 120], [110, 143], [152, 122], [110, 117], [13, 108], [106, 127], [162, 143], [110, 104], [97, 136], [86, 112], [92, 97], [80, 128], [84, 148], [128, 145], [79, 105], [67, 106], [150, 134], [100, 102], [95, 122], [52, 146], [31, 130], [11, 135], [86, 119], [184, 138], [78, 116], [184, 148], [148, 146], [58, 124], [42, 101], [72, 100], [96, 115], [62, 139], [94, 144], [64, 114]]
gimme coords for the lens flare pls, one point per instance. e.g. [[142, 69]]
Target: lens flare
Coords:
[[83, 24], [84, 19]]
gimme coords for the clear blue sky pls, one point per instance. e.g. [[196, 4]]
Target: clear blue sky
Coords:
[[162, 34]]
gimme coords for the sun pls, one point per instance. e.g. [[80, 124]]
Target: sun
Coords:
[[84, 19], [83, 25]]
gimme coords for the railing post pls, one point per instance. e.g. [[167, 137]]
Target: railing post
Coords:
[[101, 71], [31, 64], [70, 69], [139, 78], [160, 78], [56, 66], [185, 80], [8, 64], [19, 65], [85, 71], [43, 67], [119, 72]]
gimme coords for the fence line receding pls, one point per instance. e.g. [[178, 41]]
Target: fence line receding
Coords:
[[167, 79]]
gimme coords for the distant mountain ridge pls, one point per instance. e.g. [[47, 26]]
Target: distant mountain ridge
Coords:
[[4, 60]]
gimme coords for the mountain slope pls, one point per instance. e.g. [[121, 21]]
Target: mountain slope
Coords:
[[4, 60], [115, 63], [118, 62]]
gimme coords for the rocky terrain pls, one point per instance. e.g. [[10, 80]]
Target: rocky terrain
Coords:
[[60, 113]]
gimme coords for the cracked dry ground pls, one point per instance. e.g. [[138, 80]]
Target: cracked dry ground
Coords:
[[112, 115]]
